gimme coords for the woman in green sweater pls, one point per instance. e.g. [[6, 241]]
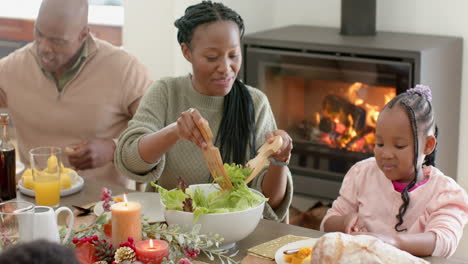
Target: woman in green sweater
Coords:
[[162, 141]]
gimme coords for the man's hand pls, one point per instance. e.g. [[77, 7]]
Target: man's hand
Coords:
[[91, 154]]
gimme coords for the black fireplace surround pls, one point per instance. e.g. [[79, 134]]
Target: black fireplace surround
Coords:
[[326, 90]]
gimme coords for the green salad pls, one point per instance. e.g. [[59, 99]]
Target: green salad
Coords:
[[239, 198]]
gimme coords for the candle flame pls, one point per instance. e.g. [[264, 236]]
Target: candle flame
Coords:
[[125, 199], [151, 243]]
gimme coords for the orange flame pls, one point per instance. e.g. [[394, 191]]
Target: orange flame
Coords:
[[348, 136]]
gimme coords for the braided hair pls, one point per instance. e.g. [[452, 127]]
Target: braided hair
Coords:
[[417, 104], [237, 128]]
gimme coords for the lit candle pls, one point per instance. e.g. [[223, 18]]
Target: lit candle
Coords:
[[151, 251], [126, 222]]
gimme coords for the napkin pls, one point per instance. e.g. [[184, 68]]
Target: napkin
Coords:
[[268, 249]]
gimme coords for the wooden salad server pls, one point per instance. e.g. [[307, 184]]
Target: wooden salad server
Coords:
[[265, 151], [213, 156]]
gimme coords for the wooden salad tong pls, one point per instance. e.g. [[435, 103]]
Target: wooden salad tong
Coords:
[[265, 151], [213, 156]]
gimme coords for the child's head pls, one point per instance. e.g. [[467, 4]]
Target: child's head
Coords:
[[406, 139], [38, 252]]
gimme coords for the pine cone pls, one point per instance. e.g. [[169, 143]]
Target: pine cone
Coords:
[[104, 251], [124, 253]]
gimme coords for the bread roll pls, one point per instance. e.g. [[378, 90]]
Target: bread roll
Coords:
[[340, 248]]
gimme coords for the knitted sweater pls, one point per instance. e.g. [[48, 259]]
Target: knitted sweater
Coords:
[[439, 206], [162, 105]]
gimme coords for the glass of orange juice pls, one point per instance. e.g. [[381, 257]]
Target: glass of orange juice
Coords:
[[46, 167]]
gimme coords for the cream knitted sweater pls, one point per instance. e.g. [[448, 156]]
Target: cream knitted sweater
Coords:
[[95, 103], [162, 105]]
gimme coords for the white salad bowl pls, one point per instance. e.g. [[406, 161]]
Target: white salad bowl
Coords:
[[232, 226]]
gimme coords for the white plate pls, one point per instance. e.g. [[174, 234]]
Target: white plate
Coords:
[[279, 256], [19, 167], [150, 205], [76, 187]]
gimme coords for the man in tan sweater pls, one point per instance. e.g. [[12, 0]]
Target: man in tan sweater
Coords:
[[71, 90]]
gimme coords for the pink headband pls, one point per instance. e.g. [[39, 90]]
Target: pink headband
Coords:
[[423, 90]]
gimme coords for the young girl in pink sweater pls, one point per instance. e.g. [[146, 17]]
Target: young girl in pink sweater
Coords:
[[399, 196]]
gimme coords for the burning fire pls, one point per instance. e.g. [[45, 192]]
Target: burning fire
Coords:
[[348, 122]]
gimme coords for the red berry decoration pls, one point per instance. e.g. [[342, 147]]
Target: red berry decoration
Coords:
[[85, 253]]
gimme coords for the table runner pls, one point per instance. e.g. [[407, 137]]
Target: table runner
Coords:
[[265, 252]]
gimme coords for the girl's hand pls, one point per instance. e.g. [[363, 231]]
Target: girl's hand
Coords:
[[391, 240], [353, 223], [187, 128], [284, 153]]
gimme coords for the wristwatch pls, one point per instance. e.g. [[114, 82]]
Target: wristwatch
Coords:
[[279, 163]]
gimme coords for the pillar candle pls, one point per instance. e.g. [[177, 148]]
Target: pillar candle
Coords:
[[151, 251], [126, 222]]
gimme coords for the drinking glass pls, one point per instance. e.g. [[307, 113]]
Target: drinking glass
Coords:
[[46, 169], [16, 222]]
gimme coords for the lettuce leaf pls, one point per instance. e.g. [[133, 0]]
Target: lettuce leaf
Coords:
[[237, 199], [173, 199]]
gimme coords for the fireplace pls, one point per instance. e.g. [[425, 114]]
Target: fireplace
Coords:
[[327, 90]]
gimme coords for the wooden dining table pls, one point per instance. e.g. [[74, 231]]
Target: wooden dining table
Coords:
[[265, 231]]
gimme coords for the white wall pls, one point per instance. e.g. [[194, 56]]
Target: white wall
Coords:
[[147, 34], [307, 12], [415, 16]]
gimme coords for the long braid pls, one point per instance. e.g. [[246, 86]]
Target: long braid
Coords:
[[417, 104], [242, 118], [237, 128], [404, 194]]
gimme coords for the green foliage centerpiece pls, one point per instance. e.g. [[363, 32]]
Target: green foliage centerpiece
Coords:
[[92, 241]]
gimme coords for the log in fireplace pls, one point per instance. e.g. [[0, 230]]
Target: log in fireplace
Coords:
[[327, 90]]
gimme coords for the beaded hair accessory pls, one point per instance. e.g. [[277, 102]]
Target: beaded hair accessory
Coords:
[[422, 90]]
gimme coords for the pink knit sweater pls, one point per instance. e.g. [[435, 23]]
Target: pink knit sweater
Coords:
[[440, 205]]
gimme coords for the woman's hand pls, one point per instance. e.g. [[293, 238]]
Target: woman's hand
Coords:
[[187, 128], [284, 153], [275, 181]]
